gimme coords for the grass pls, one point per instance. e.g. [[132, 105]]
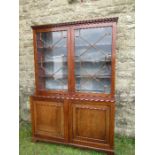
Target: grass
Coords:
[[123, 146]]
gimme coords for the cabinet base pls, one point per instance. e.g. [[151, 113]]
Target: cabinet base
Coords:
[[108, 152]]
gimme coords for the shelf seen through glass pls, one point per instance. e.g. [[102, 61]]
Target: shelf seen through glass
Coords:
[[52, 58], [92, 50], [95, 47]]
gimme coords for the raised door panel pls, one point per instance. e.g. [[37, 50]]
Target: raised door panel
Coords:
[[49, 119], [91, 124]]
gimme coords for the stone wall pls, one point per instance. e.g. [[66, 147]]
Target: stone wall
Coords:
[[37, 12]]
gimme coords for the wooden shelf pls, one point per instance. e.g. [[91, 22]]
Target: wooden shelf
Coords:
[[86, 90], [44, 49], [96, 61], [92, 47], [83, 61], [52, 61], [77, 76], [97, 76], [53, 76], [58, 59]]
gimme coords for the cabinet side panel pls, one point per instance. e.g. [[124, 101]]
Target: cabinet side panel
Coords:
[[112, 124], [113, 59], [32, 115]]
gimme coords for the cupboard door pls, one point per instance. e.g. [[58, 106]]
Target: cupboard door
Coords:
[[51, 55], [93, 50], [48, 119], [92, 124]]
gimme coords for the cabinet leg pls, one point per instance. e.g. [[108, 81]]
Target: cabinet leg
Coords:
[[110, 153], [34, 140]]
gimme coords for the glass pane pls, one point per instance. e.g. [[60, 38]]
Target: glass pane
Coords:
[[52, 60], [93, 49]]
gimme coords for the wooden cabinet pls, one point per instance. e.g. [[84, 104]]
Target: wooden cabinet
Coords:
[[74, 99]]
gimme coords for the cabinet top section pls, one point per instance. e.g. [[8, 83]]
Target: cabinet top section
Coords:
[[103, 20]]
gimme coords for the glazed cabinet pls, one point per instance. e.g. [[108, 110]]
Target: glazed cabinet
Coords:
[[74, 101]]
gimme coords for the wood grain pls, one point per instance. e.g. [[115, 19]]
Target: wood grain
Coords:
[[84, 120]]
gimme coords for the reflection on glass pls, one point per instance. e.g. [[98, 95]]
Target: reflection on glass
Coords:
[[93, 48], [52, 60]]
